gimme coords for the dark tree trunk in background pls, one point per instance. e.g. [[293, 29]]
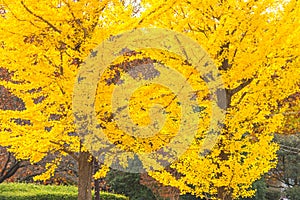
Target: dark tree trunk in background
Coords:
[[9, 165], [96, 181], [85, 173]]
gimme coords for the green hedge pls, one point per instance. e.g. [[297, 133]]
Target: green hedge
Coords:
[[293, 193], [22, 191], [273, 194]]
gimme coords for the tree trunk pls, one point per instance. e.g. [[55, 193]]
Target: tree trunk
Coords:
[[224, 101], [85, 173], [96, 181], [223, 194]]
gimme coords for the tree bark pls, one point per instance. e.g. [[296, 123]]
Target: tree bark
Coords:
[[96, 181], [223, 194], [85, 173]]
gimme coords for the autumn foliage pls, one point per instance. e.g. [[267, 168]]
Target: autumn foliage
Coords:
[[254, 45]]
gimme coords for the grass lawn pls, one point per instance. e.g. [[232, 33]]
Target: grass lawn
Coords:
[[23, 191]]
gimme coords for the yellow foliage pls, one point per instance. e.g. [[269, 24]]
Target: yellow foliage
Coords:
[[254, 45], [101, 172]]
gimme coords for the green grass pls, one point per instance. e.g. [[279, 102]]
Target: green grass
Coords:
[[23, 191]]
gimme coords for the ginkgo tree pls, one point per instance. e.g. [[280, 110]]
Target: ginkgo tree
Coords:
[[43, 44], [253, 44]]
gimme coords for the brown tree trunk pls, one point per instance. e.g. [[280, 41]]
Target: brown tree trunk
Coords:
[[85, 173], [223, 194], [224, 101]]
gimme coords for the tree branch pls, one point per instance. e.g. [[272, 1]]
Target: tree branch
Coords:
[[6, 163], [72, 154], [11, 171], [41, 18], [241, 86]]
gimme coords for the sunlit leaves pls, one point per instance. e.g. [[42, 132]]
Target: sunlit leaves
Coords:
[[254, 44]]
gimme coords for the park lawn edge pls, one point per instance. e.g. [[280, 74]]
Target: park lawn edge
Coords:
[[22, 191]]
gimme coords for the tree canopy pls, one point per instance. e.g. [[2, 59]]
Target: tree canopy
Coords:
[[255, 48]]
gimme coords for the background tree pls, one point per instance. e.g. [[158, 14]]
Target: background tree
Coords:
[[285, 177], [13, 170], [287, 170], [128, 184], [8, 165]]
